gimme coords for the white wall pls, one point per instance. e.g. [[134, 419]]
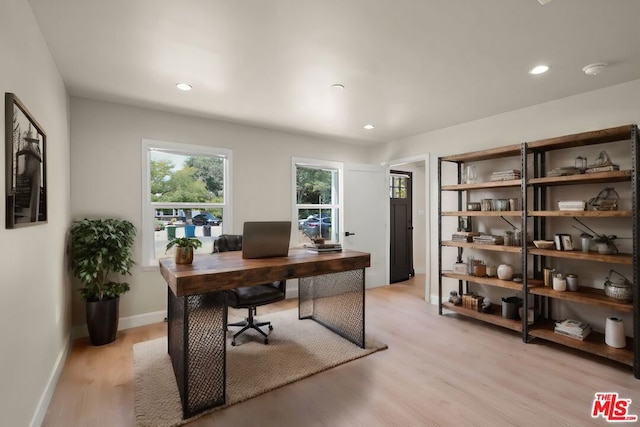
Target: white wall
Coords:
[[612, 106], [35, 303], [106, 176]]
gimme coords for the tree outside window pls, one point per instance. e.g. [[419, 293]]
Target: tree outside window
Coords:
[[317, 203], [186, 195]]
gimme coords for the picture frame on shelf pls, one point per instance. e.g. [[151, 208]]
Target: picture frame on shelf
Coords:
[[25, 166], [557, 241], [567, 243], [464, 223]]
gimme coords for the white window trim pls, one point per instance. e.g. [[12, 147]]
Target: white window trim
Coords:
[[317, 164], [149, 262]]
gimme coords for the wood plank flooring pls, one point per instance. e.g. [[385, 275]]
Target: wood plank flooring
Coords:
[[437, 371]]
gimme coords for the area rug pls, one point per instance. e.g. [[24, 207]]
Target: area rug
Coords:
[[296, 349]]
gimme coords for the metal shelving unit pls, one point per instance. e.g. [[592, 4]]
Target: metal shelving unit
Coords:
[[536, 215]]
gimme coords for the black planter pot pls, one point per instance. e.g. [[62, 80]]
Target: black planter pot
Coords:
[[102, 320]]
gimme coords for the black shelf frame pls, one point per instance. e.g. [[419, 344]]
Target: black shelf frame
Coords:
[[538, 150]]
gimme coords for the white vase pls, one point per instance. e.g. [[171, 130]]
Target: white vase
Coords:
[[505, 272], [614, 335]]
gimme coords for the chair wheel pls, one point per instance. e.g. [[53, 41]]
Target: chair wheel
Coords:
[[266, 341], [233, 343], [270, 328]]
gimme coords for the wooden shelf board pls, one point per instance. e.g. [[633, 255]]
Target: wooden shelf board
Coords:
[[491, 281], [624, 259], [587, 178], [591, 214], [582, 139], [495, 248], [483, 185], [584, 295], [495, 317], [593, 344], [482, 213], [492, 153]]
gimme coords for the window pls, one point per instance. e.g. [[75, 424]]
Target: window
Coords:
[[318, 200], [185, 194], [398, 186]]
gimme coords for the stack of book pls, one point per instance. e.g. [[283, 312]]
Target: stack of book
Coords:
[[573, 329], [505, 175], [464, 236], [487, 239], [323, 247]]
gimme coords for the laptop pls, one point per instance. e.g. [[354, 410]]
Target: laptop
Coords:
[[265, 239]]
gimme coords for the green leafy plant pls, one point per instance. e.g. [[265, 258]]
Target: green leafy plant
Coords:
[[100, 248], [184, 242]]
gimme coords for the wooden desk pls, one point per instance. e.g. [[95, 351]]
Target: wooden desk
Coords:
[[331, 291]]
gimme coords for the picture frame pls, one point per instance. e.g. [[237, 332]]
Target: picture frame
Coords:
[[567, 244], [464, 223], [25, 166], [557, 241]]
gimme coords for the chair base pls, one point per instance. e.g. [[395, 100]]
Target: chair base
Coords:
[[250, 323]]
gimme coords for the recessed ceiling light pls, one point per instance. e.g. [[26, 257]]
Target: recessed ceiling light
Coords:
[[539, 69], [184, 86], [337, 87], [369, 127], [594, 69]]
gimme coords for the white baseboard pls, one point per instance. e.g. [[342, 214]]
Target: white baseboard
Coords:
[[420, 270], [434, 299], [47, 393], [125, 323]]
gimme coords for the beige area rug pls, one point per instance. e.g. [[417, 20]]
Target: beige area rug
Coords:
[[297, 349]]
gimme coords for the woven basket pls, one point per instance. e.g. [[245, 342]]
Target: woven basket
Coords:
[[620, 289], [606, 200]]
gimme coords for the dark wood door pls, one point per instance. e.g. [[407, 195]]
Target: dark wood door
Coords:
[[401, 267]]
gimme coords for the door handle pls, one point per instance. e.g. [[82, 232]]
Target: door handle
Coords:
[[346, 233]]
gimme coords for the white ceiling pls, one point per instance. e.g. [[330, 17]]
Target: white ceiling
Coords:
[[408, 66]]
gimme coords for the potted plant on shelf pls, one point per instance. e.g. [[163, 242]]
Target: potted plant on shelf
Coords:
[[605, 243], [101, 248], [184, 248]]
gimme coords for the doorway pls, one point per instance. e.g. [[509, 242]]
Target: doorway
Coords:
[[401, 226]]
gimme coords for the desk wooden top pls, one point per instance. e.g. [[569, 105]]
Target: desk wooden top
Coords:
[[228, 270]]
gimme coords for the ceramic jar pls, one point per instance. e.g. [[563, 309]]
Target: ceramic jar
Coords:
[[492, 270], [505, 272], [559, 283], [572, 282]]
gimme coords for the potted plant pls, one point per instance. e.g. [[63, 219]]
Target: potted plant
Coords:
[[605, 243], [99, 249], [184, 248]]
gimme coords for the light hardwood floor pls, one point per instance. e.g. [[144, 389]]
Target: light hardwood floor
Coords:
[[438, 370]]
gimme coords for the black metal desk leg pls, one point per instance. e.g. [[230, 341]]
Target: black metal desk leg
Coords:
[[336, 301], [197, 340]]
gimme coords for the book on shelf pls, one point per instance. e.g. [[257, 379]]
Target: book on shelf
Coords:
[[464, 236], [573, 329], [487, 239], [505, 175]]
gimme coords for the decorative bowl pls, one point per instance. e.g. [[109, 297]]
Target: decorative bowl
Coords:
[[618, 292], [544, 244]]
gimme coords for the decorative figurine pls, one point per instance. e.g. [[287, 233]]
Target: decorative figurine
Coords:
[[454, 298]]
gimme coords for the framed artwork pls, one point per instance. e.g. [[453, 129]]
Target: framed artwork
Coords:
[[26, 166], [464, 223], [567, 244]]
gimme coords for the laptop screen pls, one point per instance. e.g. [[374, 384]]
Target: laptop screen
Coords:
[[265, 239]]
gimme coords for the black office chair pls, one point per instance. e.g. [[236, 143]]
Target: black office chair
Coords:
[[249, 297]]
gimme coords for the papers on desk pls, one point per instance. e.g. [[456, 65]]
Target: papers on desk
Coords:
[[323, 247]]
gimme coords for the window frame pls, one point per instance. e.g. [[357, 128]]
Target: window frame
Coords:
[[149, 261], [317, 164]]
